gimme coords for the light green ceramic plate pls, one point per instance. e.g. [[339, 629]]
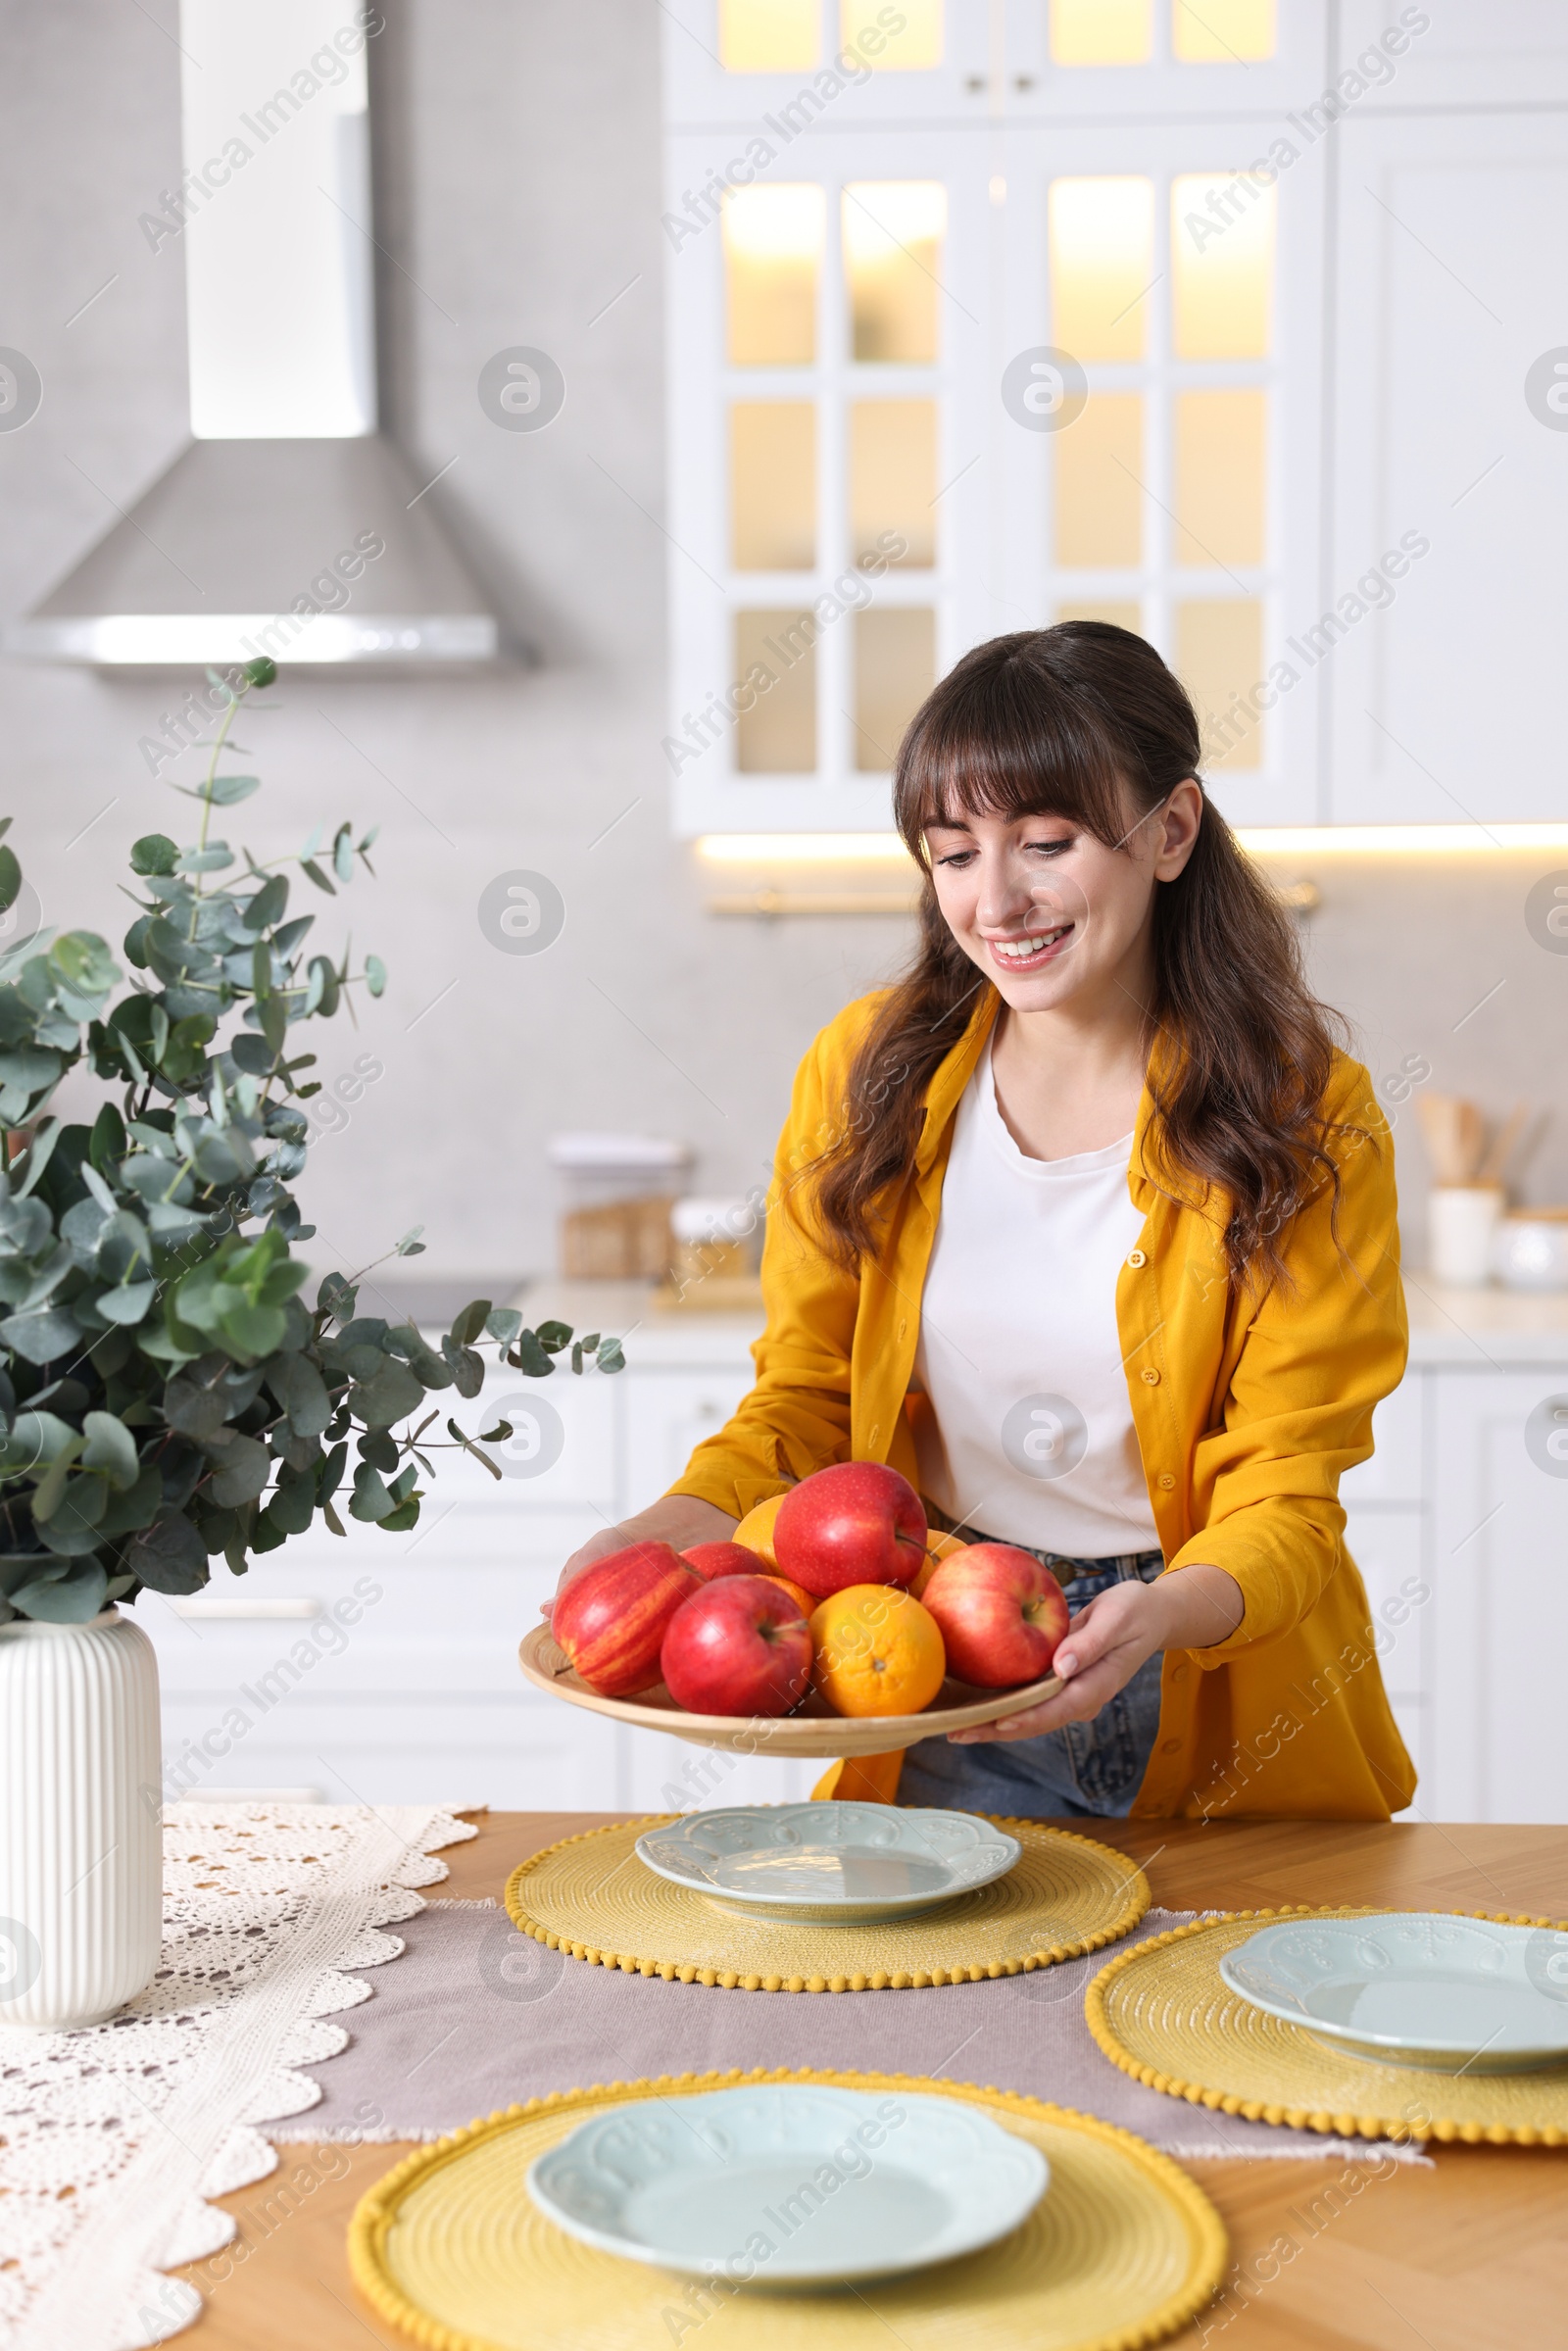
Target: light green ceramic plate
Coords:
[[1415, 1987], [790, 2184], [831, 1864]]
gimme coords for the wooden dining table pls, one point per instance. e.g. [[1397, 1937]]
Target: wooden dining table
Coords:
[[1471, 2250]]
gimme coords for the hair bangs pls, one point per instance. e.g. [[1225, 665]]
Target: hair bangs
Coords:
[[1001, 742]]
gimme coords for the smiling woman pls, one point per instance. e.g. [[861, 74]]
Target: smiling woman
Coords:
[[1087, 1228]]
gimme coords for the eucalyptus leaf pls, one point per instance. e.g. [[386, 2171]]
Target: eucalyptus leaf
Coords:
[[111, 1447], [169, 1557], [292, 1505], [300, 1391], [467, 1368], [267, 906], [390, 1396], [74, 1597], [137, 1507], [79, 1511], [82, 961], [39, 1153], [195, 1406], [243, 1469], [28, 1070], [35, 1439], [370, 1501], [128, 1302], [42, 1337], [528, 1356], [124, 1248], [468, 1326]]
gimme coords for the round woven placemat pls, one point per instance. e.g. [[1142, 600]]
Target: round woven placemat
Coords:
[[1122, 2249], [1163, 2012], [591, 1895]]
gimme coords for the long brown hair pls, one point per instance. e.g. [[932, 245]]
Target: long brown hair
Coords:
[[1085, 721]]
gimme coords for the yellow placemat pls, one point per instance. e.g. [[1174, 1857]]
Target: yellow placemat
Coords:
[[591, 1895], [1122, 2250], [1162, 2012]]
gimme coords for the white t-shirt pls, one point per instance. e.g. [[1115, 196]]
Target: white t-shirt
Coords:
[[1019, 1352]]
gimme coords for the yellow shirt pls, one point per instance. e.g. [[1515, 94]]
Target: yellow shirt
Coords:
[[1248, 1410]]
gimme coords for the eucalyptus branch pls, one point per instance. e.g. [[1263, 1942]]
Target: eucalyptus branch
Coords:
[[167, 1396]]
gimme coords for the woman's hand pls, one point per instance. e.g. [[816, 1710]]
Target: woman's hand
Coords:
[[680, 1520], [1108, 1642]]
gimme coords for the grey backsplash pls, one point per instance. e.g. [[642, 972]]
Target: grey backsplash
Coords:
[[524, 188]]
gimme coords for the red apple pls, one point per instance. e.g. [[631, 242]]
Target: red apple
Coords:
[[856, 1523], [714, 1559], [611, 1619], [1000, 1612], [738, 1647]]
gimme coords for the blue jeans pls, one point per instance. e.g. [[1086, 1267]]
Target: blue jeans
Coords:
[[1086, 1770]]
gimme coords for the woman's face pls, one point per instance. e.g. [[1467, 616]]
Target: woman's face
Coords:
[[1050, 913]]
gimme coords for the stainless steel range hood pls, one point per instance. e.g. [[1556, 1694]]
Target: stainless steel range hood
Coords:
[[290, 525], [310, 551]]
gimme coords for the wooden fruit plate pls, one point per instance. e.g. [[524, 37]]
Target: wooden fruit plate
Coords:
[[814, 1731]]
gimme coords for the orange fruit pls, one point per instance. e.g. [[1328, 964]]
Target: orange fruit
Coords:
[[756, 1530], [879, 1651], [805, 1600], [937, 1549]]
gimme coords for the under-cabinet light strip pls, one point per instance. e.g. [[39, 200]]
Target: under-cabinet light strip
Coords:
[[1283, 840]]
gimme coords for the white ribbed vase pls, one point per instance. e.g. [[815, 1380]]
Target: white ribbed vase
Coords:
[[81, 1802]]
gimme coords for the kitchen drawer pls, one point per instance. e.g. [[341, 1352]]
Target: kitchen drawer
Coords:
[[668, 1413], [565, 1450], [1395, 1472], [1386, 1547], [365, 1619], [377, 1632], [397, 1748]]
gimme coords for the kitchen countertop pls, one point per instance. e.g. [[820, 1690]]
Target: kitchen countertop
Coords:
[[1471, 1328], [1485, 1329], [1464, 1329], [1470, 2250], [664, 1337]]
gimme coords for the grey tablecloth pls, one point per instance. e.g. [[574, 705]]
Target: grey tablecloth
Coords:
[[475, 2015]]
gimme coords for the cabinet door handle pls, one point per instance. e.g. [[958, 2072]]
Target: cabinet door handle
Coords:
[[226, 1608]]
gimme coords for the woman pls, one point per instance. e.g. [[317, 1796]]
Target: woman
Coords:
[[1087, 1228]]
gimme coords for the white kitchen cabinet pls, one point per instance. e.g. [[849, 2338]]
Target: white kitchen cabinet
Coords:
[[1459, 1524], [1404, 601], [1469, 53], [1441, 610], [1499, 1597], [673, 1412]]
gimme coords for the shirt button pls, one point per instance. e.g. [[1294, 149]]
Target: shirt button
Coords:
[[1151, 1379], [1178, 1673], [1164, 1481], [876, 1430], [1138, 1259], [902, 1327], [1168, 1746]]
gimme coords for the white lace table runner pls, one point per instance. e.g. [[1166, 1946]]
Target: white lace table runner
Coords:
[[112, 2139]]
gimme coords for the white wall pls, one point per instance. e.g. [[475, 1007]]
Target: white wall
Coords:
[[518, 165]]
